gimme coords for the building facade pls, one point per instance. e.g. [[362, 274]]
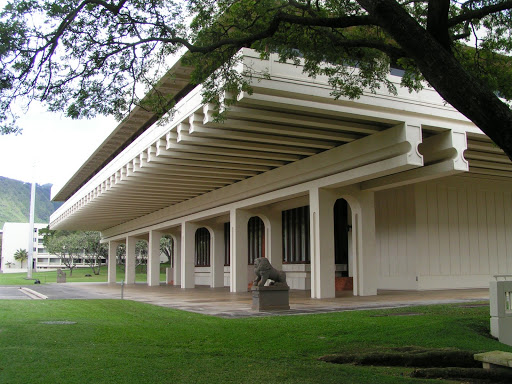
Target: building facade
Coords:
[[15, 237], [384, 192]]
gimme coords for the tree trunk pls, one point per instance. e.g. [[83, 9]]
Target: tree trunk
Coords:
[[440, 68]]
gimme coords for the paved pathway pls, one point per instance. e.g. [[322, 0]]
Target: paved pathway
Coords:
[[10, 292], [220, 302]]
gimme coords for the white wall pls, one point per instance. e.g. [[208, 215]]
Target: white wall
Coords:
[[467, 226], [395, 226], [454, 232], [16, 236]]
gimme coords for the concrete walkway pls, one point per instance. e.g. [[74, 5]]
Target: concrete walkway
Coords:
[[220, 302]]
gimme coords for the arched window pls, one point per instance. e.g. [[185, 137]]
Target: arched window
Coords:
[[202, 251], [341, 229], [227, 244]]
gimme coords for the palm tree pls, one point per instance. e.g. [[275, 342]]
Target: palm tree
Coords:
[[21, 255]]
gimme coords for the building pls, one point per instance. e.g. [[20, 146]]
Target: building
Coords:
[[16, 236], [384, 192]]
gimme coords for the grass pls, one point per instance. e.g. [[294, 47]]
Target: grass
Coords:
[[116, 341], [77, 277]]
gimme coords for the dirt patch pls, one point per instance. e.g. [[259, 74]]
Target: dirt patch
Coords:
[[407, 357], [449, 364], [474, 305], [398, 314], [473, 375], [59, 322]]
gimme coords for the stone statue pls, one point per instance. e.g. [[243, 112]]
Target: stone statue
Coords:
[[265, 271]]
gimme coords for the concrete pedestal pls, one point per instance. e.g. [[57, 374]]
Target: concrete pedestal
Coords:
[[271, 298], [500, 301]]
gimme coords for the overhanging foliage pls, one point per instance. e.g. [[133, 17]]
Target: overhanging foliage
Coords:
[[95, 56]]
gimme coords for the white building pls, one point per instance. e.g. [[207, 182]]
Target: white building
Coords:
[[16, 236], [394, 192]]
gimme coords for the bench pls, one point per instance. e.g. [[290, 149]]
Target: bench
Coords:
[[494, 359]]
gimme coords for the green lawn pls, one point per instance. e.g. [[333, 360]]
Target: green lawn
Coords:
[[78, 276], [116, 341]]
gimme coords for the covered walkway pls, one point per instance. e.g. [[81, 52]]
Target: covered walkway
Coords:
[[220, 302]]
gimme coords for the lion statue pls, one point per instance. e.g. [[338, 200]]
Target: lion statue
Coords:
[[265, 271]]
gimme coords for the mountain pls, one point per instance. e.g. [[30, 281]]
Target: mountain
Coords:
[[15, 202]]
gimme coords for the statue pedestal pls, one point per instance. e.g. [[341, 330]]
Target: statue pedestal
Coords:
[[271, 298]]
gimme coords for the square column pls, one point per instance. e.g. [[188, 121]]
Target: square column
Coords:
[[153, 276], [177, 259], [188, 233], [274, 238], [129, 267], [321, 211], [112, 264], [365, 255], [217, 256], [239, 250]]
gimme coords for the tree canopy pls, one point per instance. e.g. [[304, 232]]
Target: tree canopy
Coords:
[[72, 245], [86, 57]]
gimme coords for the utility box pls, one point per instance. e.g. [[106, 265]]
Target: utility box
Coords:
[[500, 296]]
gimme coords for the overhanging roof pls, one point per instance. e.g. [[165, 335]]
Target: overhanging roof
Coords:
[[176, 82], [285, 120]]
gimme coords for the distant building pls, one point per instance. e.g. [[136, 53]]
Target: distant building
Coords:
[[14, 237], [1, 236]]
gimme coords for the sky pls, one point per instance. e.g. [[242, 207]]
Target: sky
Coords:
[[51, 148]]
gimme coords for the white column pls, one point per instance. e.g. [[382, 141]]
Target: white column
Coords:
[[365, 256], [217, 256], [239, 250], [153, 277], [188, 233], [177, 259], [129, 267], [112, 258], [322, 243], [274, 238]]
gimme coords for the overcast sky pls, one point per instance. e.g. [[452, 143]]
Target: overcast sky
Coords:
[[51, 148]]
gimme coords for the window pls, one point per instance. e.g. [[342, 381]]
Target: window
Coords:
[[255, 239], [295, 223], [227, 244], [202, 249], [341, 230]]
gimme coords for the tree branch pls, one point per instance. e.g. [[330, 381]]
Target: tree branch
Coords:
[[479, 13], [437, 21]]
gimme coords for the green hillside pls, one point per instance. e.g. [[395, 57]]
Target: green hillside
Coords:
[[15, 202]]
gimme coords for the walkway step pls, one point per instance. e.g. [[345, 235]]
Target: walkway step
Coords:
[[33, 294]]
